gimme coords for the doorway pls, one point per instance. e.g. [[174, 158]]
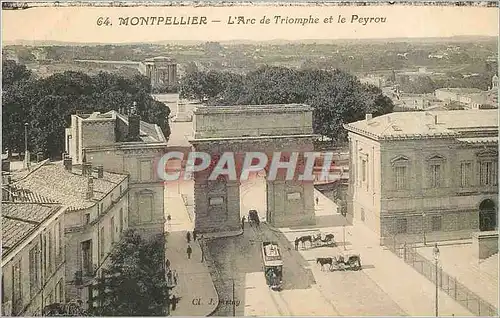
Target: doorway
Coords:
[[487, 216]]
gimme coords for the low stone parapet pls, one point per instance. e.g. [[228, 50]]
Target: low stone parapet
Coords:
[[485, 244]]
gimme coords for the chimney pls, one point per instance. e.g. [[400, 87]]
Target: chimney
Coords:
[[39, 156], [134, 127], [87, 169], [6, 187], [68, 163], [100, 171], [368, 116], [90, 188], [6, 165]]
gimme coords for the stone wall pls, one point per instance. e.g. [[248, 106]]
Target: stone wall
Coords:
[[485, 244]]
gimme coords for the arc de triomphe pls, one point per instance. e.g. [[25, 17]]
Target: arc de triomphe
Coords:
[[252, 128]]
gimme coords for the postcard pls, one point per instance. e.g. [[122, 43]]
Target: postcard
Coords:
[[250, 159]]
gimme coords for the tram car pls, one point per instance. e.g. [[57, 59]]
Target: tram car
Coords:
[[273, 265]]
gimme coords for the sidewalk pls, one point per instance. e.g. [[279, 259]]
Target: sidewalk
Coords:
[[409, 289], [195, 288]]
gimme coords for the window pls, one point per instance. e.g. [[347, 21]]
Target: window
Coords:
[[50, 252], [435, 175], [87, 217], [400, 177], [102, 207], [465, 174], [112, 229], [17, 286], [436, 223], [87, 257], [34, 269], [401, 226], [488, 173], [363, 170], [121, 220], [102, 242], [57, 231]]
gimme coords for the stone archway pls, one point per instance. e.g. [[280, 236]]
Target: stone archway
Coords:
[[487, 215], [240, 130]]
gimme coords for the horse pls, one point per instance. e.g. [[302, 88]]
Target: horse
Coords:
[[324, 261], [303, 240]]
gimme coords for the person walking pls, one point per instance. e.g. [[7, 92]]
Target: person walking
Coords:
[[169, 277], [189, 251], [167, 263], [173, 301], [194, 235], [243, 222], [169, 222], [188, 237]]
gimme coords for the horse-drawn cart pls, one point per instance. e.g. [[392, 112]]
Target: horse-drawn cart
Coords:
[[341, 262]]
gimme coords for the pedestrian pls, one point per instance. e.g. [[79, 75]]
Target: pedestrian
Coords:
[[173, 301], [189, 251], [169, 277], [188, 237], [317, 200], [296, 244], [194, 235], [167, 263], [243, 222], [169, 221]]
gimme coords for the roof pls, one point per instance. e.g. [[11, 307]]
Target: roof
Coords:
[[461, 90], [149, 133], [423, 124], [19, 220], [52, 181]]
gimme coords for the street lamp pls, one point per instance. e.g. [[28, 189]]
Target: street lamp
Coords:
[[423, 227], [26, 144], [436, 259]]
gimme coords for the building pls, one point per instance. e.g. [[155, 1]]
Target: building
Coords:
[[425, 174], [124, 144], [161, 70], [33, 253], [97, 214], [471, 98]]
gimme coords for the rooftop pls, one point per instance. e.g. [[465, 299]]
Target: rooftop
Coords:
[[149, 133], [19, 220], [461, 90], [423, 124], [52, 181]]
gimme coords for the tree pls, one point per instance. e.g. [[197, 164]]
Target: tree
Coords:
[[48, 103], [134, 284], [337, 97]]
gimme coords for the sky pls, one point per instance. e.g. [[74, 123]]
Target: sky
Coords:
[[79, 24]]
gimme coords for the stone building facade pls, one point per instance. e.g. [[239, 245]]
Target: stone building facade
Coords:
[[33, 254], [283, 129], [124, 144], [96, 216], [425, 175]]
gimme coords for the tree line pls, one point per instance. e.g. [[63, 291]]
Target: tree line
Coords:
[[47, 104], [336, 96]]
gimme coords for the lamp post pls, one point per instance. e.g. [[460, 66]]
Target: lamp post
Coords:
[[26, 144], [343, 227], [423, 227], [436, 259]]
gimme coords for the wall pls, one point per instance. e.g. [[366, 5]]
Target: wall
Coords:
[[51, 271], [485, 244], [365, 195]]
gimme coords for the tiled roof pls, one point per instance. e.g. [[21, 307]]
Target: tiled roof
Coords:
[[54, 182], [423, 124], [148, 132], [27, 196], [19, 220]]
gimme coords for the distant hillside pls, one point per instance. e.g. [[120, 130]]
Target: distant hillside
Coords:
[[456, 39]]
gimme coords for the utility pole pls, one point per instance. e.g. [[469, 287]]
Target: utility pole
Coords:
[[234, 301]]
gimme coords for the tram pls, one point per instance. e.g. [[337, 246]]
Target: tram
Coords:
[[273, 265]]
